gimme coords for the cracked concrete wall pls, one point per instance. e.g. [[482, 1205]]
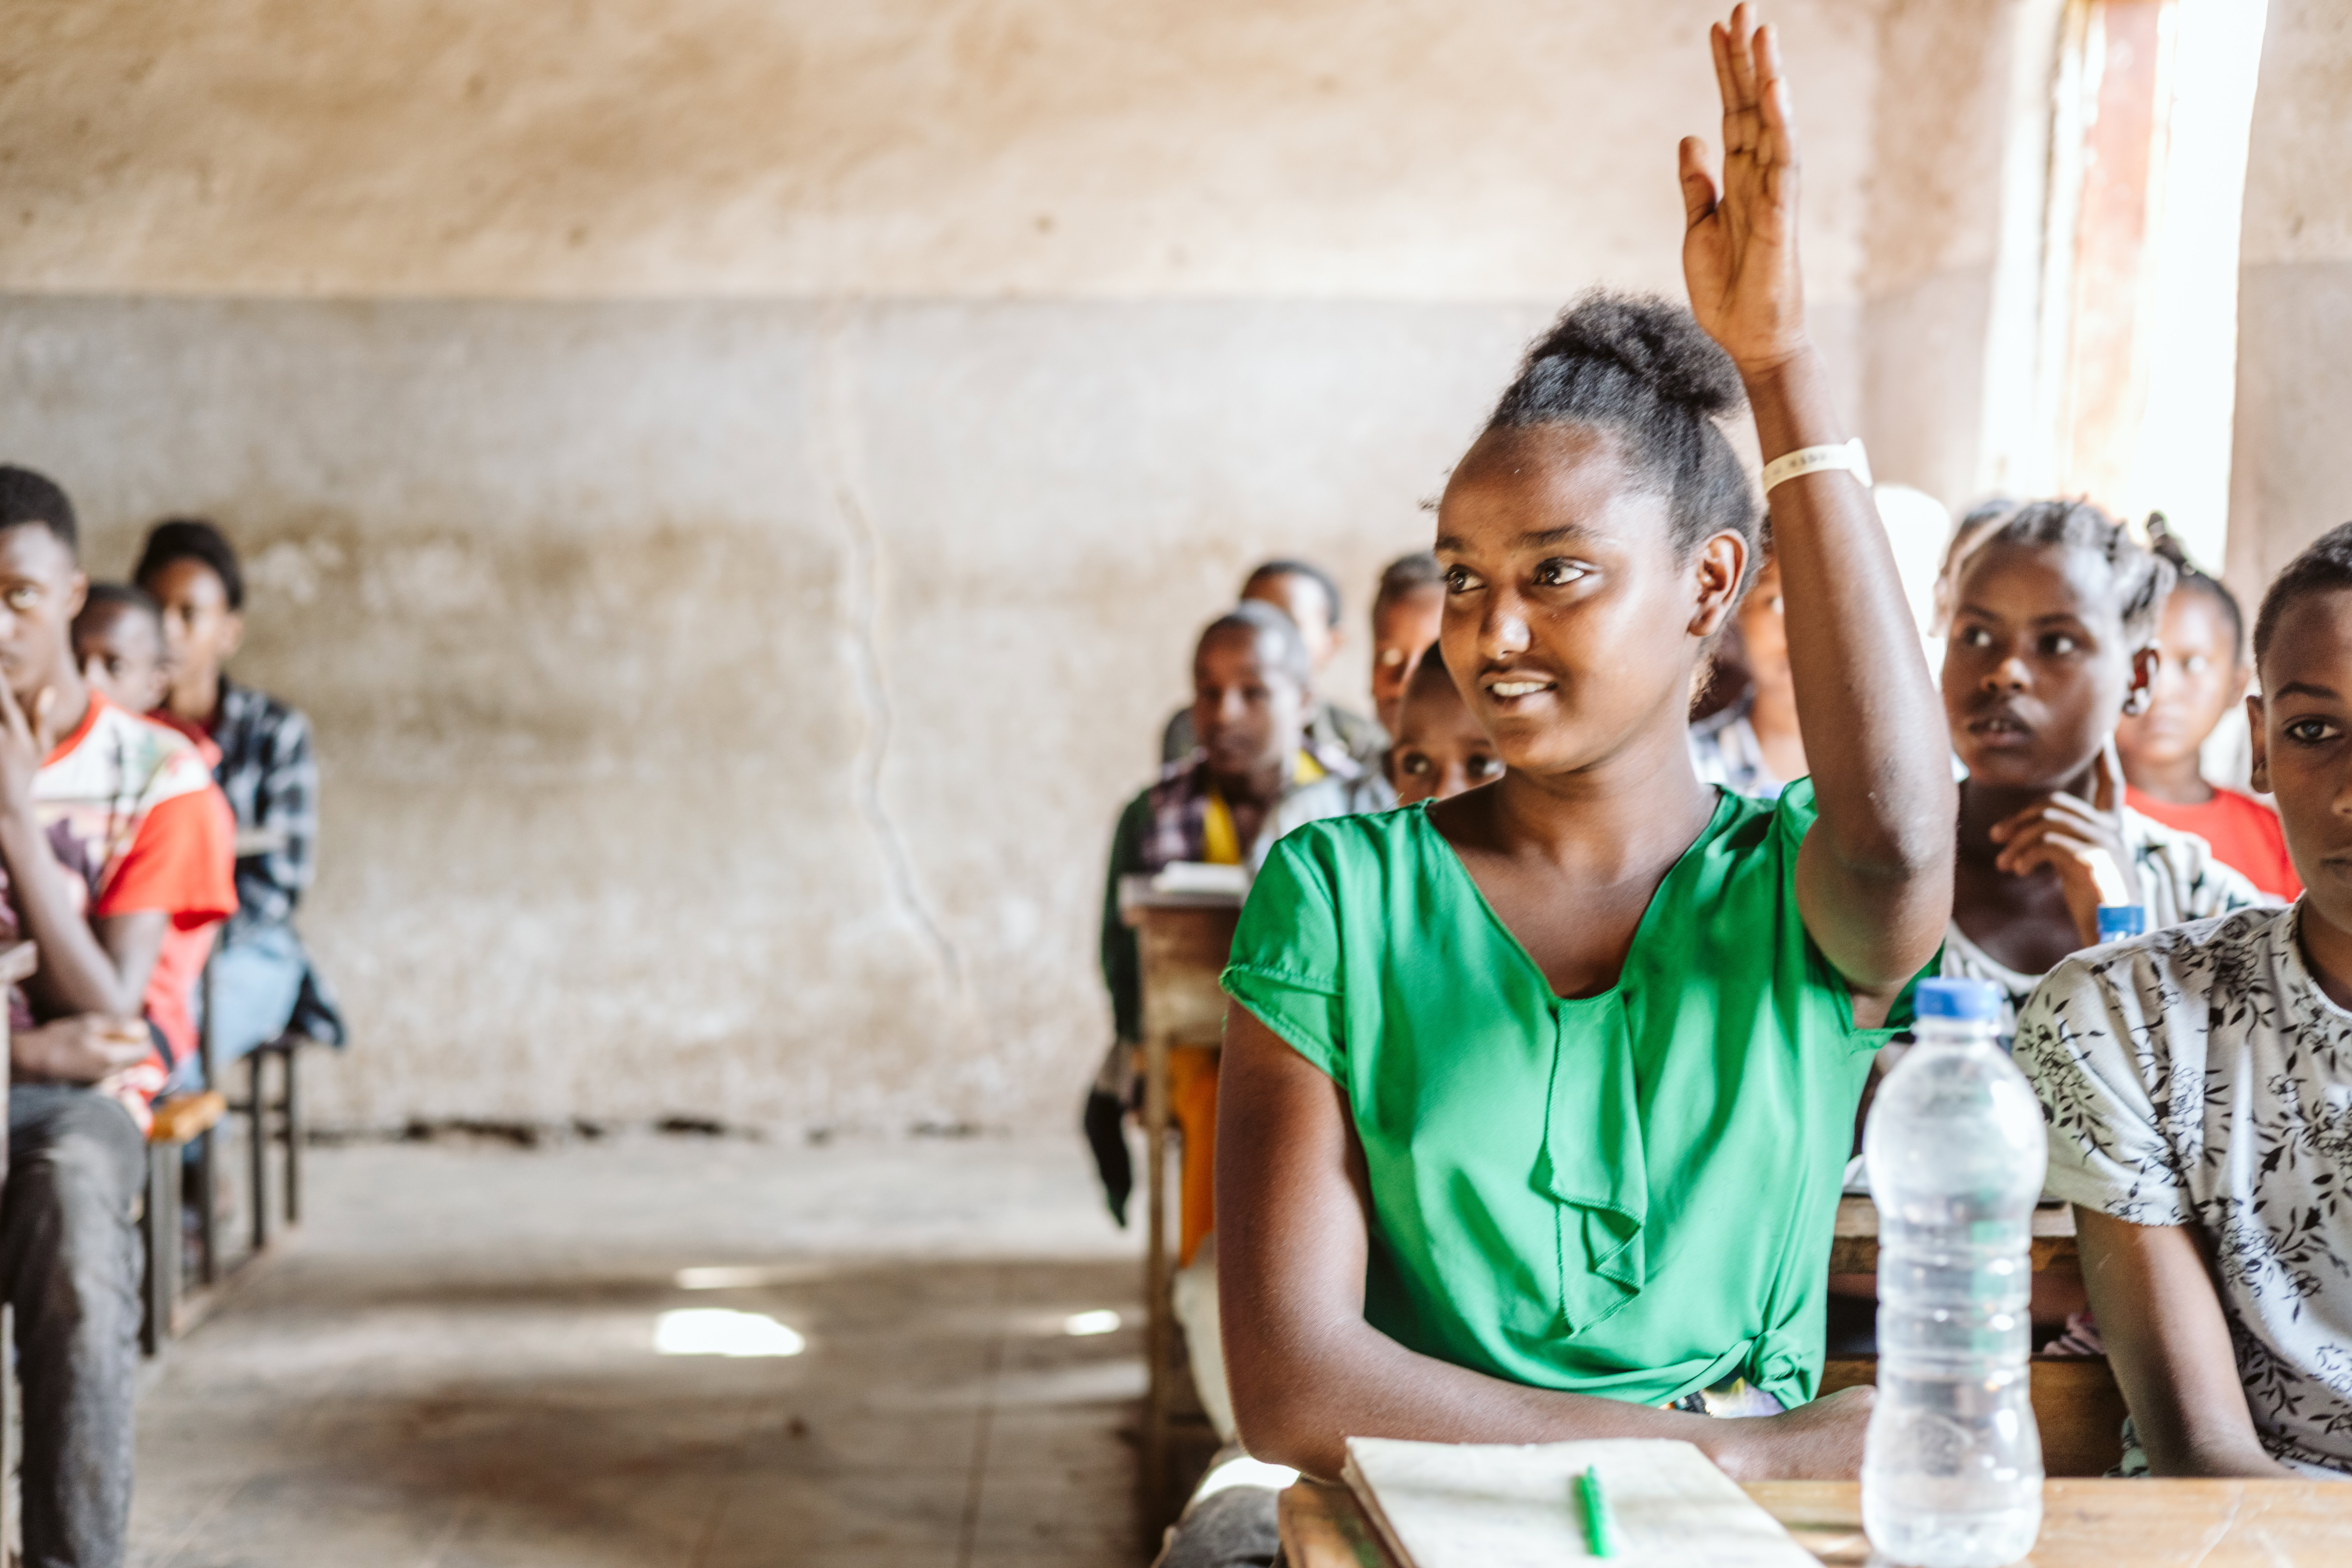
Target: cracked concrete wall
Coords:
[[2290, 466], [734, 485]]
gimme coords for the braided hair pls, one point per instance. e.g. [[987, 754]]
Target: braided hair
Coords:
[[2188, 575], [2141, 578]]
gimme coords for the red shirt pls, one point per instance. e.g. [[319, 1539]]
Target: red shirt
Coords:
[[2245, 834]]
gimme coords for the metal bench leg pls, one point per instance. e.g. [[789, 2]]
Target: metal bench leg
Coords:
[[160, 1230], [293, 1144], [207, 1198], [257, 1112]]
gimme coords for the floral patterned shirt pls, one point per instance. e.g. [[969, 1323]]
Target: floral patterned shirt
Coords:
[[2199, 1076]]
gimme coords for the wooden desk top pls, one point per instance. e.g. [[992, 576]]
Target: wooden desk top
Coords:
[[1855, 1248], [2084, 1524]]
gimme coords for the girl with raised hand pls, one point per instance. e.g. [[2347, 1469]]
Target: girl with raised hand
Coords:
[[1537, 1100]]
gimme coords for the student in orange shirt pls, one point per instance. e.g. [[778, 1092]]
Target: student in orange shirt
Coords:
[[118, 644], [2203, 675]]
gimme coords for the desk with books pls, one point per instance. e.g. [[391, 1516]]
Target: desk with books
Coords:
[[2084, 1524]]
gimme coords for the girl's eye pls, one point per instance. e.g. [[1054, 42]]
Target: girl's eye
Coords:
[[1480, 766], [24, 597], [1413, 764], [1976, 637], [1460, 579], [2196, 664], [2311, 732], [1558, 573], [2058, 643]]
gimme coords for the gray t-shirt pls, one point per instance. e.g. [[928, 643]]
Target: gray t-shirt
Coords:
[[2199, 1076]]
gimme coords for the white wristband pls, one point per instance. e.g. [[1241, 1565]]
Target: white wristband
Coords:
[[1817, 459]]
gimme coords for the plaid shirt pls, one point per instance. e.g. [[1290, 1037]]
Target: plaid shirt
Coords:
[[271, 780], [1169, 822]]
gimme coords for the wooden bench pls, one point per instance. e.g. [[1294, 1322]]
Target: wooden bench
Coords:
[[178, 1121], [1183, 941]]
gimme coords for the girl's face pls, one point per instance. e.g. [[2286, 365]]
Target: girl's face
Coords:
[[1570, 625], [2198, 680], [1440, 750], [2037, 671]]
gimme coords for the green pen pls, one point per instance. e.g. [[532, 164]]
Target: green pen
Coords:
[[1600, 1534]]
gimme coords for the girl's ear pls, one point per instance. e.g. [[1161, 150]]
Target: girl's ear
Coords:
[[2137, 696], [2261, 775], [1720, 565]]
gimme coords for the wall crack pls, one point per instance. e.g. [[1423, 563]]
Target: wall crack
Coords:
[[860, 609]]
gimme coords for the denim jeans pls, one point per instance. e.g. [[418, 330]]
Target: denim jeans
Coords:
[[69, 1260], [255, 980]]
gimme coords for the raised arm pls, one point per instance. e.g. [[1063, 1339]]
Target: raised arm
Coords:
[[1307, 1371], [2169, 1344], [1875, 879]]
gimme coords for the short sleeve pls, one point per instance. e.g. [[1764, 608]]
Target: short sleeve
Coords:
[[182, 862], [1284, 965], [2075, 1042]]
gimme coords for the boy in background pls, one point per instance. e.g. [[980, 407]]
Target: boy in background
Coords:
[[1307, 594], [117, 646], [108, 842], [1406, 615], [264, 984]]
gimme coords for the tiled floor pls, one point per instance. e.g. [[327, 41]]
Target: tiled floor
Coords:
[[454, 1366]]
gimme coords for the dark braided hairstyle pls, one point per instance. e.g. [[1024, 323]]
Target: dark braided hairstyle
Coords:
[[1644, 371], [2141, 578], [2324, 567], [2187, 575]]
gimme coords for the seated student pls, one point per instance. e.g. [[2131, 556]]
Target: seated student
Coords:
[[2194, 1082], [1440, 750], [1505, 1073], [1405, 614], [2053, 642], [2202, 676], [1752, 746], [118, 644], [1256, 773], [1305, 593], [263, 981], [108, 841]]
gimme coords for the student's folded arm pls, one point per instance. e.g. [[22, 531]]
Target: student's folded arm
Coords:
[[2167, 1339], [1307, 1371]]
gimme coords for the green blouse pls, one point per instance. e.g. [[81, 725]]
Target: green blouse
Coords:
[[1630, 1195]]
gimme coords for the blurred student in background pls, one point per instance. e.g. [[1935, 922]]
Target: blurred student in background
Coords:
[[1752, 746], [1406, 615], [2202, 678], [1440, 750], [264, 983], [1306, 593]]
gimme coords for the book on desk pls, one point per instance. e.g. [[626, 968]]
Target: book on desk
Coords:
[[1491, 1505]]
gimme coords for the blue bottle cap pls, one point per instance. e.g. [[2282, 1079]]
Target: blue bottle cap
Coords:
[[1970, 999], [2118, 921]]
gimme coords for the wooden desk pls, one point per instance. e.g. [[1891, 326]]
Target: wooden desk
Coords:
[[1855, 1248], [2084, 1524], [1183, 941]]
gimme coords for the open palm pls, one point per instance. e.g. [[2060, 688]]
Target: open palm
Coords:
[[1740, 252]]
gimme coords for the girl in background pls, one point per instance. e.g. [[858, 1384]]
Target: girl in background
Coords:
[[2203, 675]]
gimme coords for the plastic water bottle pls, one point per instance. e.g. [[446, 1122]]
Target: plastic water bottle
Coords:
[[1951, 1466]]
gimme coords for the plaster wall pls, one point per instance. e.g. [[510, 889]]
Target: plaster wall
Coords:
[[734, 485], [2291, 474]]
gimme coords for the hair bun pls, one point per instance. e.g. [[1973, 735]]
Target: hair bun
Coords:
[[1657, 342]]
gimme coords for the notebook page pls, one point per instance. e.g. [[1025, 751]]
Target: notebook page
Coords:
[[1444, 1505]]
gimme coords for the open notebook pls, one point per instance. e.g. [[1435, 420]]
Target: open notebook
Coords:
[[1448, 1505]]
